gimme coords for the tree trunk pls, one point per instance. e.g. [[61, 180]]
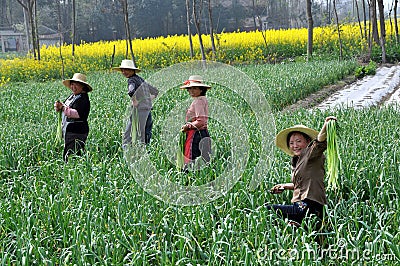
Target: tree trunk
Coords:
[[214, 51], [358, 19], [36, 31], [254, 15], [396, 29], [328, 10], [26, 25], [310, 31], [372, 10], [363, 31], [383, 30], [33, 30], [126, 41], [196, 19], [390, 18], [263, 33], [127, 28], [188, 28], [61, 41], [365, 18], [28, 7], [338, 30], [73, 28]]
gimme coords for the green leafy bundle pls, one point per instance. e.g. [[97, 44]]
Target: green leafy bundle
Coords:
[[135, 125], [333, 157], [59, 136], [180, 161]]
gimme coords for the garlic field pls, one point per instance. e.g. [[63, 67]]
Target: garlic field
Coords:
[[91, 211]]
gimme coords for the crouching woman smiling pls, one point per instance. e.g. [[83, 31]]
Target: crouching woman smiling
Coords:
[[306, 146]]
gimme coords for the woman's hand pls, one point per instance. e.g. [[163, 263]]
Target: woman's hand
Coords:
[[58, 106], [277, 189], [134, 102], [185, 127], [330, 118], [322, 134]]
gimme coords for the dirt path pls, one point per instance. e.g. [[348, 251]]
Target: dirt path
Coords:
[[381, 89]]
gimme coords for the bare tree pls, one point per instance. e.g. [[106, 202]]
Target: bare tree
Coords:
[[310, 30], [253, 4], [188, 28], [211, 29], [73, 28], [383, 30], [363, 27], [373, 15], [338, 30], [358, 19], [61, 41], [263, 32], [390, 16], [124, 4], [260, 27], [36, 30], [196, 18], [28, 6], [328, 11], [396, 29], [26, 25], [365, 18]]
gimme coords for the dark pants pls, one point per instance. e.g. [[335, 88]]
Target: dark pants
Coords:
[[148, 129], [298, 210], [74, 143], [145, 128], [198, 143]]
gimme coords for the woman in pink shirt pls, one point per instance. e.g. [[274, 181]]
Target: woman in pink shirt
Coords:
[[198, 141]]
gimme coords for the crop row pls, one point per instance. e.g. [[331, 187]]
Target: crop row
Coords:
[[92, 211]]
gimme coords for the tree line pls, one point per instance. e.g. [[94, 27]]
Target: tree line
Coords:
[[94, 20]]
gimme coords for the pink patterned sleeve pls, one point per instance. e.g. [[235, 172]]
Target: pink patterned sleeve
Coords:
[[70, 112], [200, 107]]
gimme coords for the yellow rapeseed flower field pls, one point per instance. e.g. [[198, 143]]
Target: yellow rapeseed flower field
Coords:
[[159, 52]]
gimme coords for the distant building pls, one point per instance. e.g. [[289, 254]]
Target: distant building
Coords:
[[49, 36], [15, 41], [12, 41]]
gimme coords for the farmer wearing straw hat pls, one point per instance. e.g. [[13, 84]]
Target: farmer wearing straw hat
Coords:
[[140, 123], [306, 147], [75, 111], [197, 137]]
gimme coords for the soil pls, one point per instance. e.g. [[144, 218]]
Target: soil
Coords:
[[319, 96]]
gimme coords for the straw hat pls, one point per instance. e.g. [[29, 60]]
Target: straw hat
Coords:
[[127, 64], [194, 81], [281, 138], [78, 77]]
